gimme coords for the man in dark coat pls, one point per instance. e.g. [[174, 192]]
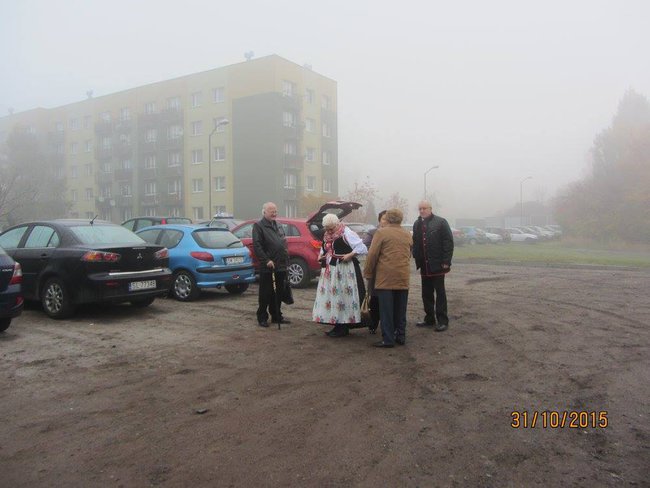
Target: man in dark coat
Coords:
[[270, 244], [433, 248]]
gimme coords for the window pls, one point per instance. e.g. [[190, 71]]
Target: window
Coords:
[[310, 154], [107, 167], [60, 148], [174, 187], [311, 183], [196, 99], [197, 213], [73, 147], [58, 172], [197, 185], [88, 145], [150, 161], [125, 113], [309, 125], [105, 116], [288, 88], [326, 102], [126, 164], [106, 191], [288, 119], [174, 212], [289, 181], [174, 158], [87, 121], [174, 103], [89, 195], [218, 94], [58, 126], [326, 130], [220, 183], [73, 171], [11, 239], [327, 157], [151, 135], [174, 132], [289, 147], [220, 153], [88, 169], [90, 215], [197, 156], [74, 195], [197, 128], [127, 213], [106, 142], [74, 124], [219, 124], [290, 209], [125, 190], [150, 108], [150, 188], [42, 236], [150, 212], [327, 185], [309, 95], [244, 231], [220, 209], [125, 139]]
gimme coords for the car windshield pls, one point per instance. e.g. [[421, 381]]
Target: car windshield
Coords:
[[105, 234], [212, 238]]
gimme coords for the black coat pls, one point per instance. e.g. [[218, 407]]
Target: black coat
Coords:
[[433, 245], [270, 243]]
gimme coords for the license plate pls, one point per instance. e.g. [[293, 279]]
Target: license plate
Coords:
[[235, 260], [142, 285]]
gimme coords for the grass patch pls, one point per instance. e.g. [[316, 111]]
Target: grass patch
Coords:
[[552, 253]]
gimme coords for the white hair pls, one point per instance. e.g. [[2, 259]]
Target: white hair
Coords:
[[330, 220]]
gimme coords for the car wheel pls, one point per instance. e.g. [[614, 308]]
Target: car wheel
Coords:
[[143, 302], [56, 299], [298, 273], [4, 324], [184, 287], [237, 289]]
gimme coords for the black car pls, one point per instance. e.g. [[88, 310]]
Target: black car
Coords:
[[69, 262], [11, 297], [138, 223]]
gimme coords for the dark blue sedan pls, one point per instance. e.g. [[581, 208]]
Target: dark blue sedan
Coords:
[[11, 297], [202, 257]]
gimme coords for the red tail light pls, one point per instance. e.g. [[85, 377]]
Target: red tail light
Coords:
[[162, 254], [101, 257], [17, 277], [203, 256], [316, 244]]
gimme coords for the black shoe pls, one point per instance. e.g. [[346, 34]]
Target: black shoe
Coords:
[[400, 341], [441, 327], [424, 324], [383, 344], [263, 324], [285, 321], [338, 331]]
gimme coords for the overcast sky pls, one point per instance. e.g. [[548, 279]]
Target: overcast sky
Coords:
[[492, 92]]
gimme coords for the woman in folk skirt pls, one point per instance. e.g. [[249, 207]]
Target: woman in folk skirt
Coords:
[[340, 286]]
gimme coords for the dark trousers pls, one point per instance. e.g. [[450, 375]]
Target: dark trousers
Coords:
[[435, 307], [267, 299], [374, 312], [392, 308]]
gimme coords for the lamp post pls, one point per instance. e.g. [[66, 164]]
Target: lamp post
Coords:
[[425, 179], [217, 124], [521, 199]]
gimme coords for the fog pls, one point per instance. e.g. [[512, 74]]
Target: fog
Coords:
[[491, 92]]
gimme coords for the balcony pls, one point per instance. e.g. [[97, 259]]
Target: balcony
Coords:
[[148, 173], [124, 174], [56, 136], [103, 127], [123, 149], [294, 161], [105, 152], [172, 200], [149, 200], [124, 200], [172, 115], [103, 177], [148, 146], [173, 143], [104, 202], [292, 193], [123, 126]]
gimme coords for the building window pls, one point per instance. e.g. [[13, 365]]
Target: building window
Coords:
[[220, 183], [174, 132], [290, 148], [197, 156], [60, 148], [174, 211], [58, 173], [309, 125], [197, 128], [150, 188], [196, 99], [105, 116], [290, 209], [88, 169], [58, 126], [150, 161], [310, 154], [327, 157], [150, 108], [174, 103], [288, 88], [125, 139], [220, 153], [311, 183], [126, 164], [220, 209], [218, 124], [90, 215], [174, 158], [125, 113], [218, 94], [87, 121], [197, 185], [88, 145], [197, 213], [106, 142], [127, 213], [327, 185], [107, 167], [151, 135], [174, 187], [73, 195], [74, 124], [73, 171], [73, 147], [289, 180], [105, 191], [309, 95], [89, 194], [125, 190], [288, 119], [326, 102], [326, 130]]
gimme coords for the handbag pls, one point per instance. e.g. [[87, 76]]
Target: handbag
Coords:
[[287, 294], [366, 319]]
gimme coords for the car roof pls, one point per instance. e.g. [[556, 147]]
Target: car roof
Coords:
[[189, 227], [64, 222]]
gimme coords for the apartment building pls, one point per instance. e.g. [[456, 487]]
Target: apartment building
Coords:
[[221, 141]]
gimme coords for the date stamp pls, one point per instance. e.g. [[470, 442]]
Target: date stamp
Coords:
[[555, 419]]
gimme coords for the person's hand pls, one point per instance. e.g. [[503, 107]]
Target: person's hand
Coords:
[[444, 266], [270, 264], [347, 257]]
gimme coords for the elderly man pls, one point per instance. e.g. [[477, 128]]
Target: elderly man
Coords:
[[433, 248], [270, 246]]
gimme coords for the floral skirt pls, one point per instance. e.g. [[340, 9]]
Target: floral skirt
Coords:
[[337, 296]]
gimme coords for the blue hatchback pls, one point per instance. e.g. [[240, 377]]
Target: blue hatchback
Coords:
[[202, 257]]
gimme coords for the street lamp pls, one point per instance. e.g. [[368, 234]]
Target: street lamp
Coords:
[[521, 199], [425, 179], [217, 124]]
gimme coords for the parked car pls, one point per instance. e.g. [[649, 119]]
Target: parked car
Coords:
[[518, 235], [11, 297], [492, 237], [69, 262], [202, 257], [360, 228], [555, 229], [304, 239], [474, 235], [459, 237], [223, 222], [138, 223], [543, 235], [501, 231]]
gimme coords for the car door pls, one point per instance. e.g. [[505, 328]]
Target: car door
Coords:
[[34, 254]]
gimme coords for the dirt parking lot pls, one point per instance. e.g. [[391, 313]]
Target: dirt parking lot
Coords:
[[110, 398]]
